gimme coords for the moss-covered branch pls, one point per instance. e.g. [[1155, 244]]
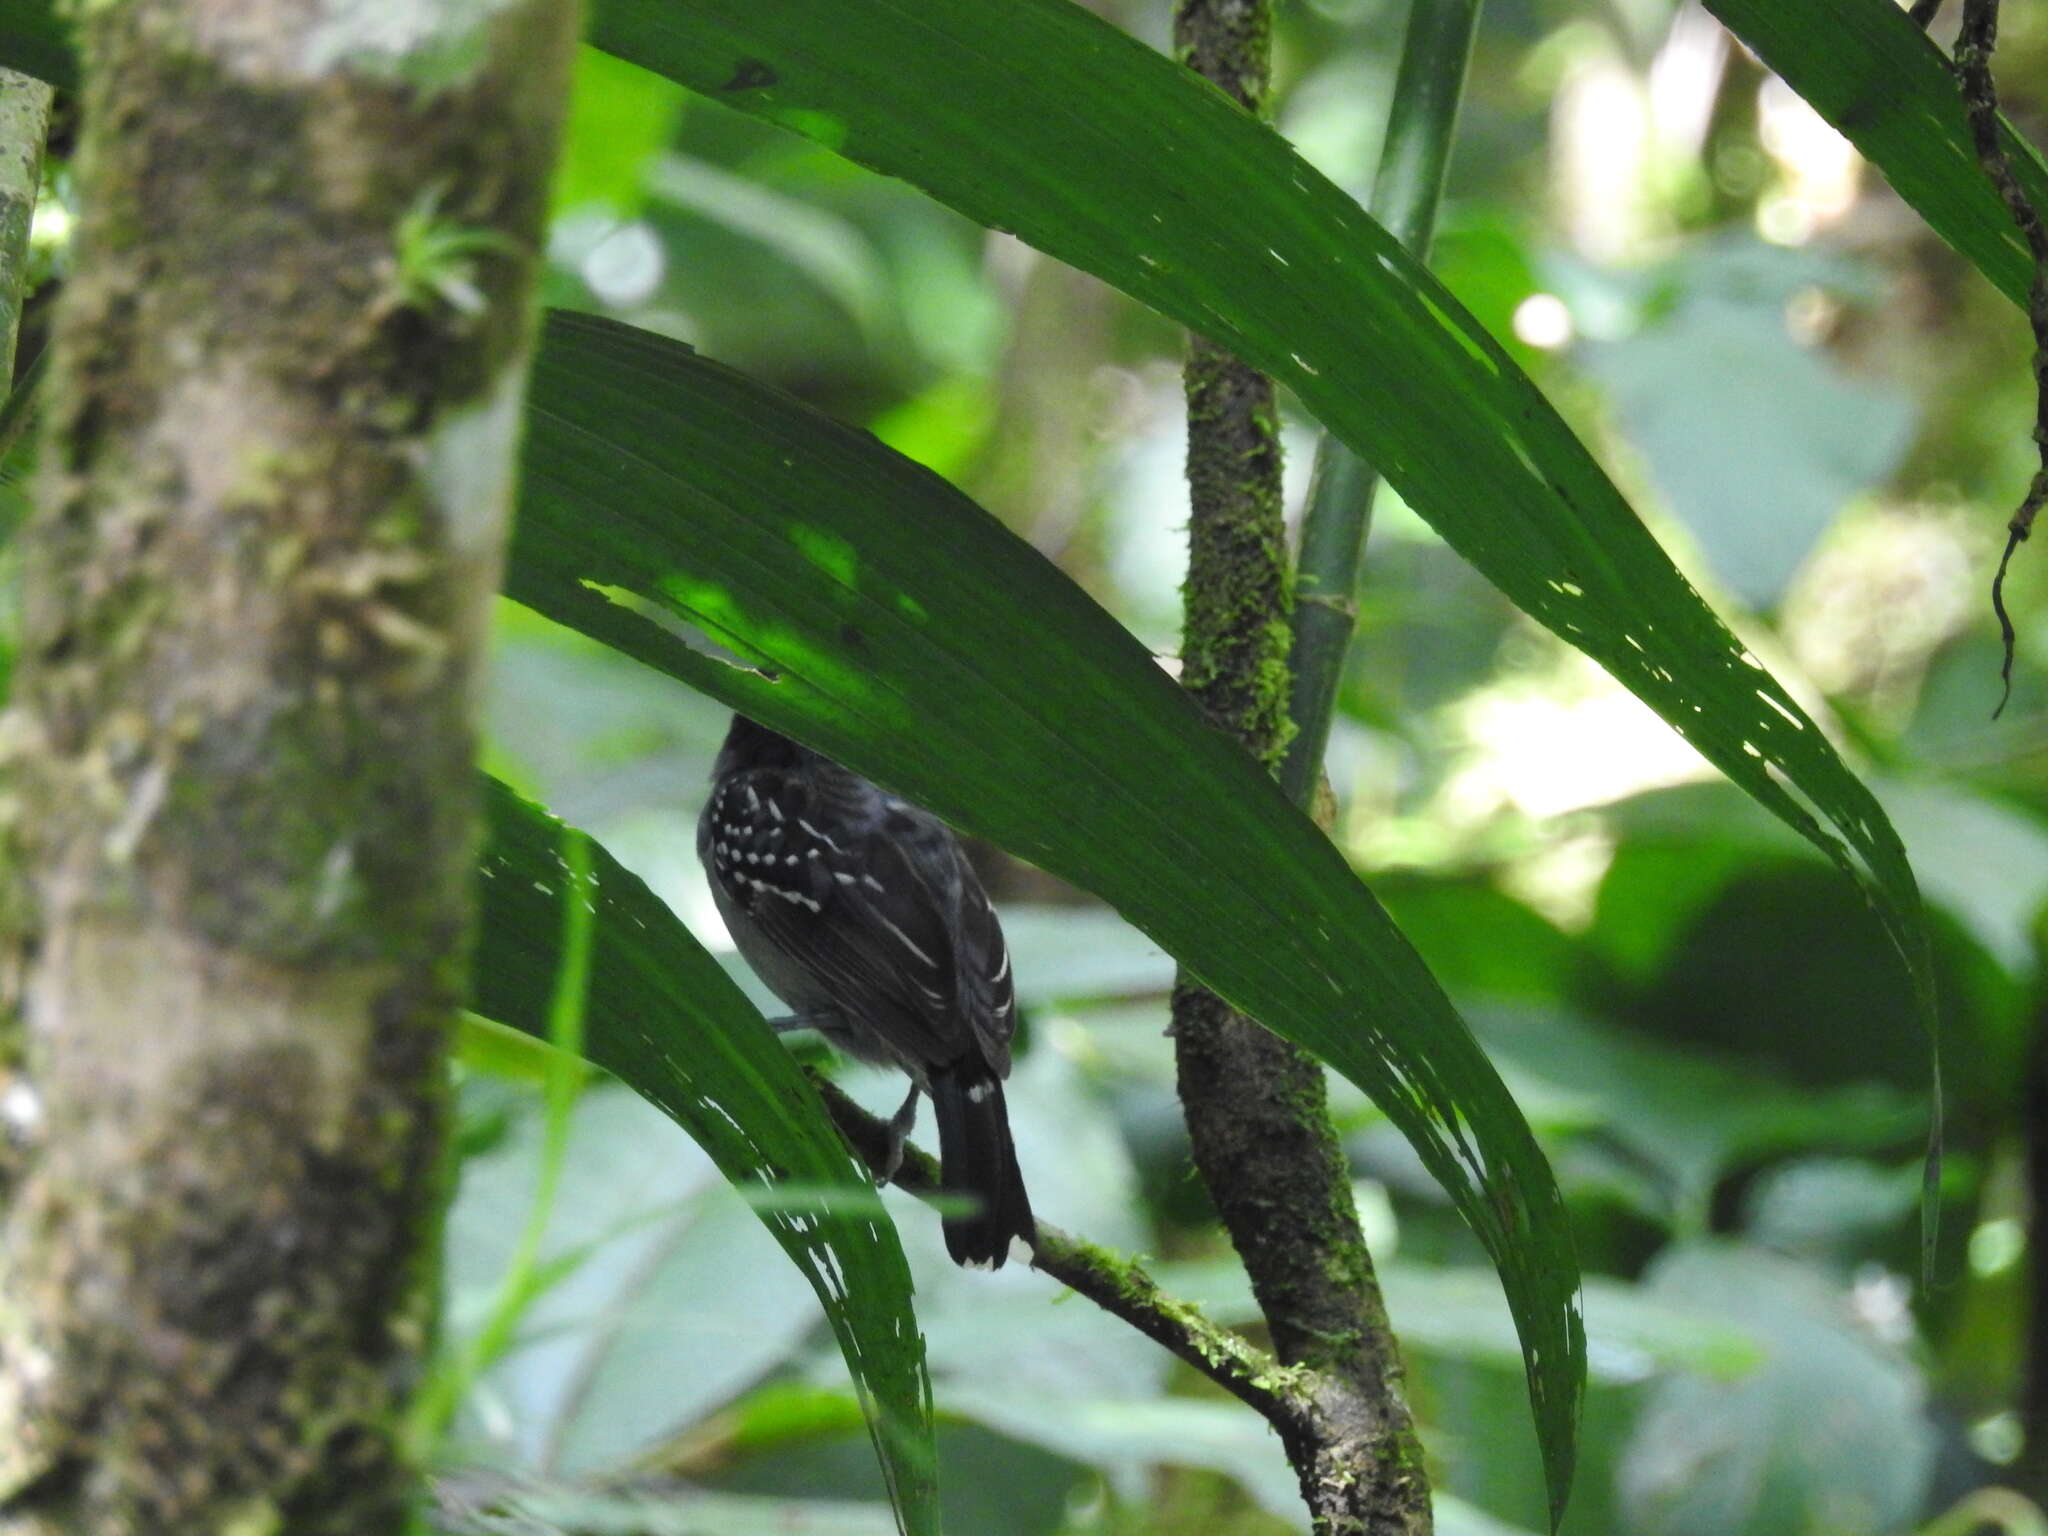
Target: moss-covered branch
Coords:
[[1120, 1286], [280, 435], [1256, 1105], [1326, 1419]]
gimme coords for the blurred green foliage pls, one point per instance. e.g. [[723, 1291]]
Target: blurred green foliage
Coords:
[[1686, 1001], [1823, 412], [1690, 1006]]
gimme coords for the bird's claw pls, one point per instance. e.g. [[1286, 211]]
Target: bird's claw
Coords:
[[900, 1126]]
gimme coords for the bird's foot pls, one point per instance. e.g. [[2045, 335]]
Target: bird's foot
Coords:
[[900, 1126], [790, 1023]]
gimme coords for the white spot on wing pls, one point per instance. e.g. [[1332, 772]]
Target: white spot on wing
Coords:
[[820, 836], [908, 942]]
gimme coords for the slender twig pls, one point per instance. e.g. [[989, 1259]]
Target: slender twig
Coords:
[[1333, 1425], [1407, 191], [1975, 42], [1118, 1285], [1923, 13], [526, 1275]]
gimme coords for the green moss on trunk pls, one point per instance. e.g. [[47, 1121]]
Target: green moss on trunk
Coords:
[[1238, 595], [1256, 1105]]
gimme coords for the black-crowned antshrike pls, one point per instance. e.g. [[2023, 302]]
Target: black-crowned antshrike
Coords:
[[861, 913]]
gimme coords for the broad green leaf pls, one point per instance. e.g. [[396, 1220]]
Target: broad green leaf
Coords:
[[1113, 158], [35, 42], [620, 118], [1688, 1117], [1882, 83], [1832, 1434], [1756, 441], [667, 1298], [1456, 1311], [905, 631], [663, 1018], [1128, 1435], [1832, 1211], [1861, 64]]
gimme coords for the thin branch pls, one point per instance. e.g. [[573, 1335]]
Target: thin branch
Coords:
[[1923, 13], [1118, 1285], [1975, 43]]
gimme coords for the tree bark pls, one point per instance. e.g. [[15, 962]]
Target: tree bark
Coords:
[[24, 129], [24, 124], [277, 475], [1255, 1104]]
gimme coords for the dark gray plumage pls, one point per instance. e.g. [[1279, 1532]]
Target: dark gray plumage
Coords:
[[862, 914]]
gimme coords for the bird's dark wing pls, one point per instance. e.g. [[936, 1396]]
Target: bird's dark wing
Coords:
[[850, 905], [988, 992]]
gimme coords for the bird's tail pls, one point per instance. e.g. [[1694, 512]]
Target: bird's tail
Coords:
[[978, 1161]]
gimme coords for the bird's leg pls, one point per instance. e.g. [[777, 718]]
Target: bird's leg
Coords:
[[790, 1023], [900, 1125]]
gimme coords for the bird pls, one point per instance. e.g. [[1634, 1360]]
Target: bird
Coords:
[[860, 911]]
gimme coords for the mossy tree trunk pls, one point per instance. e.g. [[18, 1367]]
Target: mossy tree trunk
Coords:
[[276, 479], [1256, 1105]]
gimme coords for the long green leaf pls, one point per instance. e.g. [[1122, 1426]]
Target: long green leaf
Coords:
[[1111, 158], [1036, 116], [666, 1020], [1862, 64], [35, 42], [904, 630], [1877, 78], [1115, 160]]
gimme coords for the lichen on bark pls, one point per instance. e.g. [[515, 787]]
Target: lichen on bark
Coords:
[[239, 766]]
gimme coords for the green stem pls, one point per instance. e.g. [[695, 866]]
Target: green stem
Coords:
[[1406, 193], [525, 1277]]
